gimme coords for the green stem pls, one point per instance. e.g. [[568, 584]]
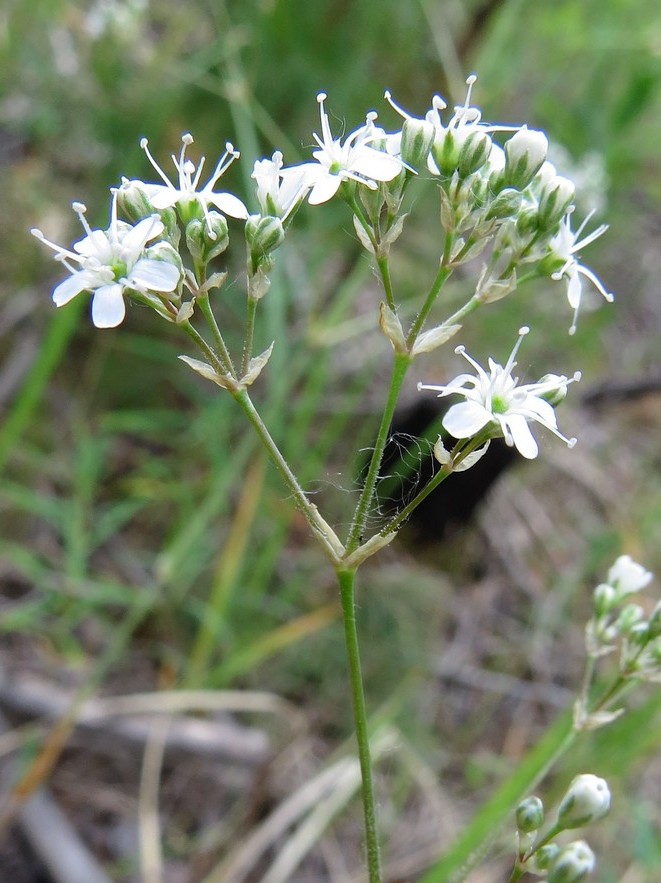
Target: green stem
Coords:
[[250, 331], [443, 274], [384, 269], [222, 351], [347, 583], [400, 367], [320, 528]]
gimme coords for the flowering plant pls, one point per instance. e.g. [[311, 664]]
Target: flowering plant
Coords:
[[503, 208]]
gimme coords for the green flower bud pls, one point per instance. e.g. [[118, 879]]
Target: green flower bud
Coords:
[[446, 150], [530, 815], [206, 239], [172, 231], [573, 863], [524, 154], [263, 235], [604, 599], [505, 205], [555, 199], [628, 618], [546, 855], [417, 139], [474, 153], [555, 387], [133, 202], [587, 799]]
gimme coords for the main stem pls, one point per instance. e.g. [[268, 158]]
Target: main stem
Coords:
[[347, 582]]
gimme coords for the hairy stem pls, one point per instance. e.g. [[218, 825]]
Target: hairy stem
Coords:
[[400, 367]]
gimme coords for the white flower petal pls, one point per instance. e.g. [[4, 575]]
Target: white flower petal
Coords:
[[162, 197], [375, 164], [466, 419], [324, 189], [154, 275], [108, 309], [72, 286], [228, 204], [134, 240], [521, 436]]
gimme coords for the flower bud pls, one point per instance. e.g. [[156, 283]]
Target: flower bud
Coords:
[[446, 150], [555, 199], [530, 815], [626, 576], [556, 388], [524, 154], [417, 139], [546, 855], [206, 239], [629, 616], [263, 234], [587, 800], [133, 202], [474, 153], [573, 863], [505, 205], [604, 599]]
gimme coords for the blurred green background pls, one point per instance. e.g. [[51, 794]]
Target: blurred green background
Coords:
[[132, 494]]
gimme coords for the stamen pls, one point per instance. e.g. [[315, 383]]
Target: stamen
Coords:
[[511, 361], [400, 110], [80, 210], [144, 145], [325, 125]]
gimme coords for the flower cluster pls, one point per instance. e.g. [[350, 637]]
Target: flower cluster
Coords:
[[587, 800], [617, 623], [510, 196]]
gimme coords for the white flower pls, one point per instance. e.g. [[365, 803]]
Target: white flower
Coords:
[[587, 800], [353, 160], [279, 191], [186, 196], [626, 576], [496, 399], [564, 246], [109, 262]]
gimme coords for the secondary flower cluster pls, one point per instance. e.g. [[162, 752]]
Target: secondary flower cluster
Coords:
[[510, 196], [587, 800]]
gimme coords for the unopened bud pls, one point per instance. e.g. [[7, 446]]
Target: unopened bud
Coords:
[[546, 855], [524, 154], [573, 863], [556, 197], [505, 205], [530, 815], [133, 202], [604, 599], [587, 800], [207, 238], [446, 150], [263, 234], [474, 153], [630, 616], [417, 139]]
